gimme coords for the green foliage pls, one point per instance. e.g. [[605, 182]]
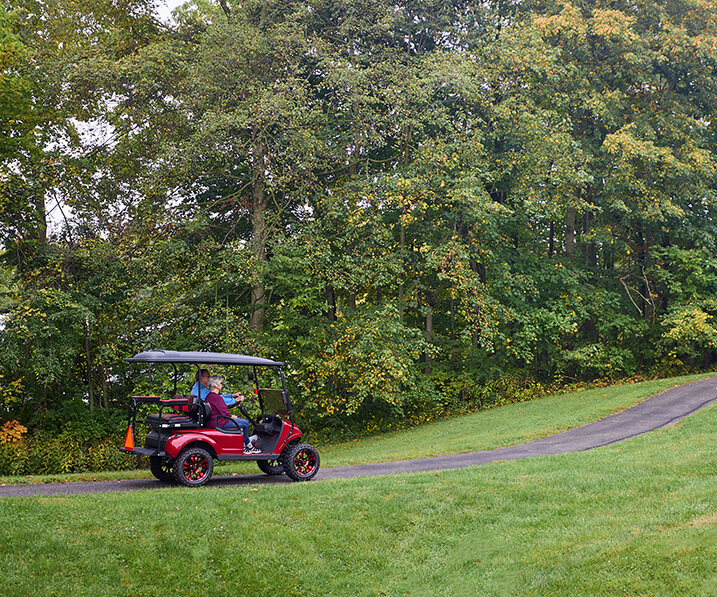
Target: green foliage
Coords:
[[689, 332], [10, 393], [40, 343], [47, 455], [14, 97], [596, 361], [363, 355], [72, 440]]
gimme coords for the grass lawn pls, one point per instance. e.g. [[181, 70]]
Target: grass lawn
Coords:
[[636, 518]]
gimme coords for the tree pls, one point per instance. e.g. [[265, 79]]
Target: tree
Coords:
[[251, 145], [15, 141]]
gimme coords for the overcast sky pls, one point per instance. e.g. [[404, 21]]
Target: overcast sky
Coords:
[[165, 7]]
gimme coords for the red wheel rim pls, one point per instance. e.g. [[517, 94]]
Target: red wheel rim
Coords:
[[305, 462], [195, 467]]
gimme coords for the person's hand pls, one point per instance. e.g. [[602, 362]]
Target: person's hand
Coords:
[[238, 396]]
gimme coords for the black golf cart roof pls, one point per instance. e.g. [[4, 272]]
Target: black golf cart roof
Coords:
[[201, 358]]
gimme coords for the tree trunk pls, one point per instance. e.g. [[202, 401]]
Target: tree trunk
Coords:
[[429, 336], [330, 297], [642, 252], [259, 234], [569, 232], [88, 357], [105, 397], [226, 9], [355, 153], [41, 220], [430, 301], [590, 248], [401, 287], [401, 284]]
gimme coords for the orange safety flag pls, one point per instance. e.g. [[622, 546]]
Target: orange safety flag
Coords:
[[129, 439]]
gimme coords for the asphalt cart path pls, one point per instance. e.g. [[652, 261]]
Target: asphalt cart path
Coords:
[[657, 412]]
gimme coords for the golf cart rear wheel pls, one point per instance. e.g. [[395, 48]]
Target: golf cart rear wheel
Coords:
[[193, 467], [301, 462], [271, 467], [161, 469]]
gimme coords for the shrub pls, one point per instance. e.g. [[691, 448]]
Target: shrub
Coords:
[[365, 357], [12, 432], [77, 448]]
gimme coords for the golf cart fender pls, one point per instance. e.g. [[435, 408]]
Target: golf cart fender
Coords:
[[178, 442], [290, 434]]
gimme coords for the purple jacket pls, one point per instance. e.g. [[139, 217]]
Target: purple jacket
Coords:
[[219, 410]]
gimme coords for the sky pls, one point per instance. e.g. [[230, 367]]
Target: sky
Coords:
[[165, 7]]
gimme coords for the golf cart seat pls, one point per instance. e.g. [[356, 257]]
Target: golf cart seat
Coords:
[[189, 413]]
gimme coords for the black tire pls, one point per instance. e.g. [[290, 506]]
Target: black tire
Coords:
[[193, 467], [301, 462], [271, 467], [161, 469]]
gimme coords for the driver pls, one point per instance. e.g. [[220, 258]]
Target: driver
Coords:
[[222, 419], [200, 388]]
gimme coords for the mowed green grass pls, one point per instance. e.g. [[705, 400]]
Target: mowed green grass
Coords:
[[636, 518]]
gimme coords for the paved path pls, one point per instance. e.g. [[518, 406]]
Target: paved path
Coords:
[[654, 413]]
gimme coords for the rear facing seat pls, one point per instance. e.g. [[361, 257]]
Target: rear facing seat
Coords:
[[189, 413]]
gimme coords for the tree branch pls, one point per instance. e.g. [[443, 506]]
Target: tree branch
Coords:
[[226, 9]]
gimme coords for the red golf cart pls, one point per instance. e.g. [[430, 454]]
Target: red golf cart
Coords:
[[182, 449]]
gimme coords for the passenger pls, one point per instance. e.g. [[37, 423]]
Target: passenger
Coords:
[[222, 419], [200, 388]]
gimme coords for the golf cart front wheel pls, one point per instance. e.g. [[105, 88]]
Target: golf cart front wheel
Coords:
[[301, 462], [193, 467]]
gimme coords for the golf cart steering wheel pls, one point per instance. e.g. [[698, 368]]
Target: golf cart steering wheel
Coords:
[[245, 413]]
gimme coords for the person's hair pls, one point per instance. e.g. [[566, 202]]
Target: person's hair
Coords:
[[200, 372], [214, 382]]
